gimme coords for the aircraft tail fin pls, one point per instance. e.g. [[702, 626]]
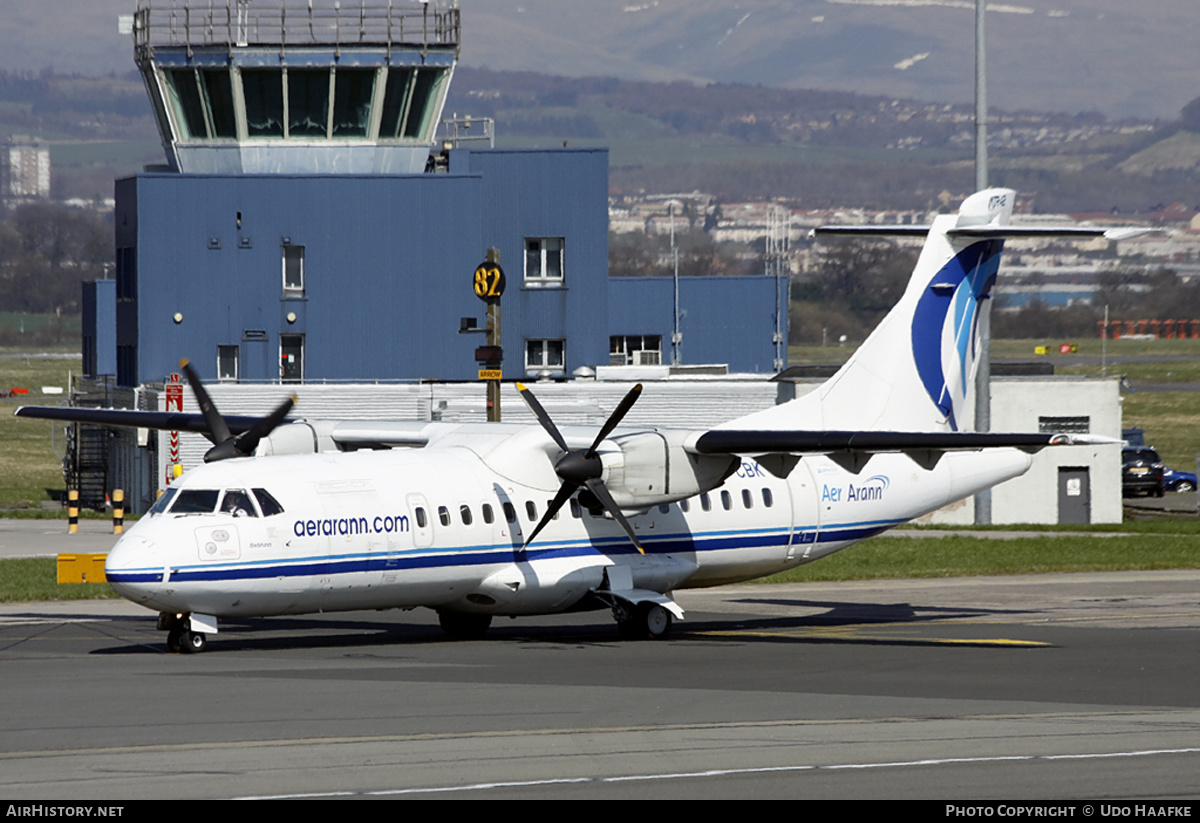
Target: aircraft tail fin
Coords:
[[915, 372]]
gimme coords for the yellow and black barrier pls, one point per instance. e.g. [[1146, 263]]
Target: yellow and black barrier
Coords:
[[118, 504], [73, 511]]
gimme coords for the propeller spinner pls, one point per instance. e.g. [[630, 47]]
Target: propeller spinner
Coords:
[[225, 443], [582, 467]]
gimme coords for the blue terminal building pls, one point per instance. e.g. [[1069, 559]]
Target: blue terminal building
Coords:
[[307, 228]]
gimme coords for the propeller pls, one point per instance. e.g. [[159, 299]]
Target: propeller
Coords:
[[225, 443], [582, 467]]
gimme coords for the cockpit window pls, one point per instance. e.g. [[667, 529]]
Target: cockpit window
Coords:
[[195, 501], [163, 502], [268, 503], [237, 503]]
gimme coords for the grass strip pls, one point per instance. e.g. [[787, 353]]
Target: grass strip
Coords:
[[35, 578], [968, 556]]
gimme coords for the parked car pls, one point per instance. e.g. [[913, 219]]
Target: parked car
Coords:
[[1142, 472], [1180, 482]]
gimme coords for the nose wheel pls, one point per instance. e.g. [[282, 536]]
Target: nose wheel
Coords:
[[181, 639]]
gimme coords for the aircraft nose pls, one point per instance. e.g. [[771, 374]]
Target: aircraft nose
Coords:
[[131, 568]]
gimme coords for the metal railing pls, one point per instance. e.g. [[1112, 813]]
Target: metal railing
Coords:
[[283, 23]]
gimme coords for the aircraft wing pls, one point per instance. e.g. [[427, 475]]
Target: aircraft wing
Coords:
[[779, 451], [733, 441], [129, 418]]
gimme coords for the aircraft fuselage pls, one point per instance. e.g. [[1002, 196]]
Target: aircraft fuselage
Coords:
[[407, 528]]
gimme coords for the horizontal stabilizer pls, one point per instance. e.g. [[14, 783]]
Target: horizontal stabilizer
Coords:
[[984, 232]]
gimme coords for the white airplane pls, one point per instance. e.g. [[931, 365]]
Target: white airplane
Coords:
[[479, 520]]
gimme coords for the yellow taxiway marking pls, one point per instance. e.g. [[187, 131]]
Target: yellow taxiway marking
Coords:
[[857, 633]]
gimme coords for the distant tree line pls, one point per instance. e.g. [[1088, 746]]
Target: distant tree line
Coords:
[[635, 254], [46, 251], [1129, 295], [854, 285]]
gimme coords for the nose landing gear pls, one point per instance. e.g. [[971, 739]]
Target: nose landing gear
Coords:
[[182, 636]]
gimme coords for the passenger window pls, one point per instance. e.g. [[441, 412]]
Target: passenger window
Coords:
[[269, 505], [464, 511], [531, 510], [664, 509], [549, 503], [726, 501], [421, 519], [706, 502], [768, 500], [443, 515], [488, 516], [576, 512], [684, 505], [747, 499], [510, 514]]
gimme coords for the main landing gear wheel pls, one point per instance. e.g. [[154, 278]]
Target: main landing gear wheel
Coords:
[[464, 625], [648, 620]]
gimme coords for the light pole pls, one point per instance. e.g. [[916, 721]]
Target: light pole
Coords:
[[676, 335], [983, 368]]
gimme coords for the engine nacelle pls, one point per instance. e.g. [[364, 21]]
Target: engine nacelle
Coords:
[[300, 437], [653, 467]]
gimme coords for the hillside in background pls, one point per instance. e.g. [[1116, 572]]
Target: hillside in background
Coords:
[[814, 148], [1120, 58], [823, 149]]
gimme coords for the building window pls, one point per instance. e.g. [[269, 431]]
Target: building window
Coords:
[[1064, 425], [127, 273], [227, 363], [543, 355], [635, 350], [291, 358], [293, 271], [543, 261]]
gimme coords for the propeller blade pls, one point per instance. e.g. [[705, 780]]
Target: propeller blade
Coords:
[[542, 417], [248, 442], [564, 494], [582, 467], [218, 432], [615, 418], [225, 445], [596, 486]]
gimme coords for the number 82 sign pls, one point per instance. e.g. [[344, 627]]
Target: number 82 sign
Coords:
[[489, 282]]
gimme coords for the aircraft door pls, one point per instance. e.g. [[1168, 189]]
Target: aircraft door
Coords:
[[805, 511], [421, 519]]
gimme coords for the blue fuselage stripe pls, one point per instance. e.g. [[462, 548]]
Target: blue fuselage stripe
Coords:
[[682, 543]]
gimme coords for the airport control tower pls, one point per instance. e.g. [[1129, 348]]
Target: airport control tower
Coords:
[[296, 86]]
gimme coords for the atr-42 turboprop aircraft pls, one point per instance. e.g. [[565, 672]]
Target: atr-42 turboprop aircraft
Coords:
[[478, 520]]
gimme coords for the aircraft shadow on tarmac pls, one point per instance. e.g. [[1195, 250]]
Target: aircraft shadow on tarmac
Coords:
[[839, 614], [327, 632]]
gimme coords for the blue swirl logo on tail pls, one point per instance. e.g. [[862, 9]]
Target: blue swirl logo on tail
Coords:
[[945, 324]]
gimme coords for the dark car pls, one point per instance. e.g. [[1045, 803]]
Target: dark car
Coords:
[[1141, 472]]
